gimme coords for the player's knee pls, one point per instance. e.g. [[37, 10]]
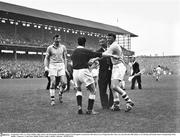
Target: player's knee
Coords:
[[113, 86], [92, 96], [52, 85], [64, 85], [91, 88]]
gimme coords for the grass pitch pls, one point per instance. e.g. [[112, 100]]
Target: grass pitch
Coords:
[[25, 108]]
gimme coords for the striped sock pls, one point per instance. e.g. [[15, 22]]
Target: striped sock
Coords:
[[91, 101], [126, 97], [52, 94]]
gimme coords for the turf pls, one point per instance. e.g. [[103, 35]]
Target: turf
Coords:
[[25, 108]]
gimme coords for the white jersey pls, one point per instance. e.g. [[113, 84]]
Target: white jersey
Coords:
[[56, 54], [158, 70], [115, 49]]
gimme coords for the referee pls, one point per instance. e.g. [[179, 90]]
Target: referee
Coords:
[[81, 74]]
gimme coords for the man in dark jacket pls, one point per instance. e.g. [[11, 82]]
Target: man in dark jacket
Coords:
[[104, 81], [135, 68]]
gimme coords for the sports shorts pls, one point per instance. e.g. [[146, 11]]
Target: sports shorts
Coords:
[[57, 69], [118, 71], [82, 76], [95, 72]]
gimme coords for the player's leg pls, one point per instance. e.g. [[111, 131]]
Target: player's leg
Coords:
[[52, 74], [68, 82], [116, 102], [48, 84], [63, 80], [52, 90], [133, 83], [77, 86], [62, 87], [157, 76], [116, 87], [139, 82], [95, 82], [79, 99], [118, 73], [123, 84], [91, 99], [57, 82], [90, 85]]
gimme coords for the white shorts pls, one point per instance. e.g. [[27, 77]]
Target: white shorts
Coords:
[[82, 76], [158, 73], [57, 69], [118, 71], [95, 72]]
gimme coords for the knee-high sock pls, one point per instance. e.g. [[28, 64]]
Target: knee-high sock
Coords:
[[126, 97], [116, 97], [79, 98], [52, 94], [91, 101], [123, 94]]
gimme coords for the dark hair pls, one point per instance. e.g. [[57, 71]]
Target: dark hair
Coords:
[[81, 41], [55, 36], [112, 34]]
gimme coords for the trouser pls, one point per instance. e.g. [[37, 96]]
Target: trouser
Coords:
[[106, 101], [138, 79]]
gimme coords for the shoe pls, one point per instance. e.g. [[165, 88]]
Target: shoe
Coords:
[[91, 112], [52, 103], [115, 107], [60, 98], [80, 111], [129, 106]]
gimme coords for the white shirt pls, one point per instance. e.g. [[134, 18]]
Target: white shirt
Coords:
[[115, 49]]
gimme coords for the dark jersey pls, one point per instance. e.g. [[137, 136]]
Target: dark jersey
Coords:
[[81, 56], [135, 67]]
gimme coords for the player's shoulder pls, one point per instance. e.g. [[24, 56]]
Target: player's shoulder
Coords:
[[115, 45], [50, 46], [62, 45]]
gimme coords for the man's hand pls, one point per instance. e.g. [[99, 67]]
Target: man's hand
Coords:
[[93, 60], [67, 72]]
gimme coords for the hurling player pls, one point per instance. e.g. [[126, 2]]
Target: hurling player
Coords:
[[55, 63], [118, 71]]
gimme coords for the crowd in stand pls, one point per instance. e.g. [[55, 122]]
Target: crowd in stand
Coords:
[[26, 66], [30, 36], [20, 35], [21, 69]]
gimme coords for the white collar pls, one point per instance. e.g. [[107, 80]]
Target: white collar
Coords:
[[80, 47]]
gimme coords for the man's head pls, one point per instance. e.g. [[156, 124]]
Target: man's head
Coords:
[[81, 41], [132, 59], [111, 37], [103, 42], [57, 39]]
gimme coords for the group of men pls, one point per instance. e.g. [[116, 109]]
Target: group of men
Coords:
[[111, 72]]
